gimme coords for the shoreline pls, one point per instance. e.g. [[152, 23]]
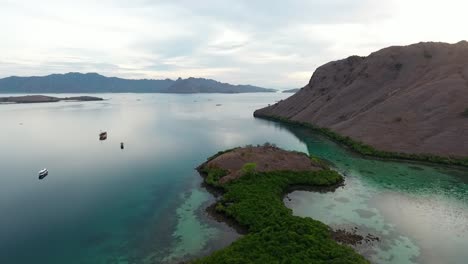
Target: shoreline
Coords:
[[369, 151], [345, 236], [37, 99], [243, 230], [340, 236], [218, 192]]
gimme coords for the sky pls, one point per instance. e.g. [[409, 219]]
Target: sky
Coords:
[[269, 43]]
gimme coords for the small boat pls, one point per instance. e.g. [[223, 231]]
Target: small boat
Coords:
[[43, 173], [103, 136], [121, 145]]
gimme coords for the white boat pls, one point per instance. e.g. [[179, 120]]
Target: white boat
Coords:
[[43, 173]]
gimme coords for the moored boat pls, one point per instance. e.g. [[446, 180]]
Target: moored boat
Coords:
[[43, 173], [103, 136]]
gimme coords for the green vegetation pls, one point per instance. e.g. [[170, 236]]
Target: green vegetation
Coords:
[[249, 168], [319, 162], [268, 145], [275, 235], [213, 174], [367, 150]]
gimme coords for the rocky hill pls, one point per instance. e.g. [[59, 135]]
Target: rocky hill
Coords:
[[410, 99]]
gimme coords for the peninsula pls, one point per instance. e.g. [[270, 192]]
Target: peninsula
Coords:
[[254, 180]]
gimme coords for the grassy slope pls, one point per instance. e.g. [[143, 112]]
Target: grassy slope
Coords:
[[275, 235], [367, 150]]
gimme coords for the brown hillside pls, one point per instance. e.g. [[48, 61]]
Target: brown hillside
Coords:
[[266, 158], [404, 99]]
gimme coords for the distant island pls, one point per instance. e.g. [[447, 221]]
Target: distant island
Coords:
[[407, 102], [96, 83], [30, 99], [292, 90]]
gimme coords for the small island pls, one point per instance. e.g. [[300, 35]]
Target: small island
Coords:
[[31, 99], [292, 90], [253, 181]]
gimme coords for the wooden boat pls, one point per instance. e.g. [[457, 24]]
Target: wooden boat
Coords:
[[103, 136]]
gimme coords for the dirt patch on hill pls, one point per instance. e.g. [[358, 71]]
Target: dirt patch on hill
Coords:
[[265, 158]]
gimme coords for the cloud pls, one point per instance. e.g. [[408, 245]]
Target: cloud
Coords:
[[271, 43]]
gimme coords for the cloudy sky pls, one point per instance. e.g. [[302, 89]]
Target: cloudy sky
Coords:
[[268, 43]]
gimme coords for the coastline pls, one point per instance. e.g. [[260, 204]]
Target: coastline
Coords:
[[367, 150], [36, 99], [219, 212], [347, 237], [218, 192]]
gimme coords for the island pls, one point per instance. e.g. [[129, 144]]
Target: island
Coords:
[[292, 90], [29, 99], [401, 102], [253, 181]]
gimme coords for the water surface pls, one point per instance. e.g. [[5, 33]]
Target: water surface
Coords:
[[144, 204], [419, 212], [101, 204]]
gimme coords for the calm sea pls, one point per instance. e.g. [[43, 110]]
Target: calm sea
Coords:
[[144, 203]]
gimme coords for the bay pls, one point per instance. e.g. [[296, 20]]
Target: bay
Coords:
[[145, 203]]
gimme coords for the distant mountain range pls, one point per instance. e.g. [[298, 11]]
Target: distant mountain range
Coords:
[[96, 83], [200, 85]]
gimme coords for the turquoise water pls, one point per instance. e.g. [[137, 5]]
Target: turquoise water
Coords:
[[144, 204], [419, 212], [101, 204]]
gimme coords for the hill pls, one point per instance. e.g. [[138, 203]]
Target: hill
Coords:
[[201, 85], [96, 83], [408, 99]]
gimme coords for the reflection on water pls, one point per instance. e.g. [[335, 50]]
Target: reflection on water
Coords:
[[102, 204], [144, 203], [419, 212]]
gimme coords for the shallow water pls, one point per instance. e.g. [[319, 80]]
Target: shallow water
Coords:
[[101, 204], [144, 204], [419, 212]]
